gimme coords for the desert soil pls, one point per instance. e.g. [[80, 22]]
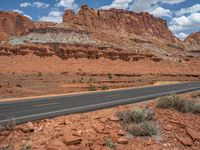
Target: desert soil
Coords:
[[89, 131], [34, 76]]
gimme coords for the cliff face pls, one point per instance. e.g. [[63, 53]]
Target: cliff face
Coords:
[[13, 23], [120, 20], [192, 42], [114, 28]]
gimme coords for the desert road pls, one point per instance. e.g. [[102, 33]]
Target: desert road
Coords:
[[41, 108]]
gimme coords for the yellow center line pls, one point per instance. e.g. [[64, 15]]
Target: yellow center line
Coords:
[[47, 104]]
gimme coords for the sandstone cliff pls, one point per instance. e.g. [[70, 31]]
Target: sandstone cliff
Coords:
[[116, 29], [192, 42], [15, 24], [120, 21]]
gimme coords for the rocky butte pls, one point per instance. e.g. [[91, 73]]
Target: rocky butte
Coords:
[[112, 34], [121, 21], [192, 42], [12, 23]]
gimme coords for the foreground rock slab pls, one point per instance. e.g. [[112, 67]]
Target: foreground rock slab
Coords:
[[71, 140]]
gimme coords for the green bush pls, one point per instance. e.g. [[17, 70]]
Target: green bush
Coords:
[[104, 87], [179, 104], [109, 143], [125, 117], [136, 116], [92, 88], [10, 125], [146, 128], [196, 108], [167, 101]]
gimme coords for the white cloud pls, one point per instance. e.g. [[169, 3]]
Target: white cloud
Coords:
[[22, 13], [139, 5], [119, 4], [160, 12], [35, 4], [67, 4], [181, 35], [18, 11], [25, 4], [171, 1], [192, 9], [40, 5], [53, 16], [185, 22]]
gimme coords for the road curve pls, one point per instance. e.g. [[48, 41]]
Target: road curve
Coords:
[[41, 108]]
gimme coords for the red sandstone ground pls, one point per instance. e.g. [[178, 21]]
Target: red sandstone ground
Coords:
[[178, 131], [31, 75]]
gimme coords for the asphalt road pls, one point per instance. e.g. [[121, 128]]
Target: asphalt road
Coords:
[[41, 108]]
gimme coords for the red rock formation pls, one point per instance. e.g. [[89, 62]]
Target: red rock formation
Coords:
[[3, 37], [120, 20], [43, 24], [66, 51], [192, 42], [14, 24]]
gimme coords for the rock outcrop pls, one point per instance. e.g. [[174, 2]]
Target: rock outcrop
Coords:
[[43, 24], [192, 42], [65, 51], [120, 21], [14, 24]]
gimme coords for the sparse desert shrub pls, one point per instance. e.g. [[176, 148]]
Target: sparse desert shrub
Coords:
[[109, 143], [92, 88], [74, 81], [125, 117], [196, 108], [166, 101], [104, 87], [139, 122], [146, 128], [179, 104], [136, 116], [184, 105], [10, 125]]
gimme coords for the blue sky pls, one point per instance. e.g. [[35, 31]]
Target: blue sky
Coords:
[[183, 16]]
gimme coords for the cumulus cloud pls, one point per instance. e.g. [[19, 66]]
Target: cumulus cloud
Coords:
[[18, 11], [119, 4], [181, 35], [34, 4], [53, 16], [22, 13], [192, 9], [25, 4], [185, 22], [139, 5], [67, 4], [161, 12], [40, 5]]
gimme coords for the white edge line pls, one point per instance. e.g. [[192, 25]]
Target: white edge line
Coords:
[[101, 104]]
